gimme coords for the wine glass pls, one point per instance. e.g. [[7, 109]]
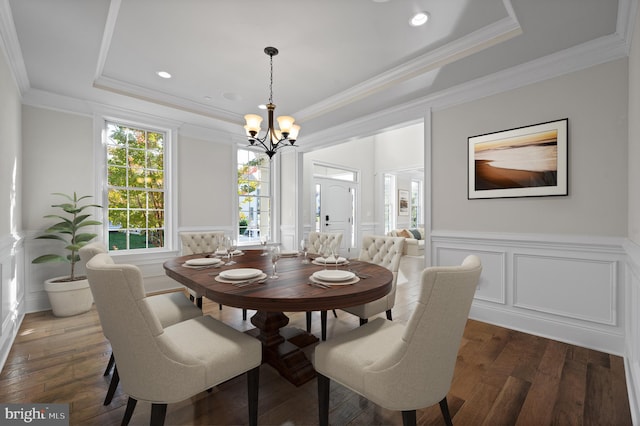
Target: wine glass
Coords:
[[275, 255], [327, 252], [304, 245], [232, 245], [263, 242]]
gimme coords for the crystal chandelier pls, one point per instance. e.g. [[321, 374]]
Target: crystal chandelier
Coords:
[[274, 139]]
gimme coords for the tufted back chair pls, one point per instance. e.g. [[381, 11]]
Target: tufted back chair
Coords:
[[163, 364], [383, 251], [200, 242], [318, 239], [405, 367]]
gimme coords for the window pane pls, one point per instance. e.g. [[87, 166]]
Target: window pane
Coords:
[[254, 170]]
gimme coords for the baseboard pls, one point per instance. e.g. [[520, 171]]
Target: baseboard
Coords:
[[632, 373], [8, 335]]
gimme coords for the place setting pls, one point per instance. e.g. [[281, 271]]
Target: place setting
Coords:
[[241, 277], [203, 263], [328, 278]]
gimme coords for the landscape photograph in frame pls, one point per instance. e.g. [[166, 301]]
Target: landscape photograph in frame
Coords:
[[528, 161]]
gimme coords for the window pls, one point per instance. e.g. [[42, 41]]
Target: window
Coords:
[[254, 196], [389, 202], [136, 187]]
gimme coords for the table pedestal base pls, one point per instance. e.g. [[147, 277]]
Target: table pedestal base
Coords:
[[281, 346]]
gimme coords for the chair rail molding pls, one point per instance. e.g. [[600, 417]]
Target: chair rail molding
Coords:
[[564, 287]]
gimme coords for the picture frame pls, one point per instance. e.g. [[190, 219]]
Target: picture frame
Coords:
[[529, 161], [403, 202]]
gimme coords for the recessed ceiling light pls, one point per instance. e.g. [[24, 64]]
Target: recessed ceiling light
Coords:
[[163, 74], [419, 19]]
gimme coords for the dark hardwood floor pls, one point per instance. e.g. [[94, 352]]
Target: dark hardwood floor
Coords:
[[502, 377]]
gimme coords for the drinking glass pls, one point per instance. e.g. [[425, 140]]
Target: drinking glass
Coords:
[[326, 251], [263, 242], [275, 255], [304, 245], [232, 244]]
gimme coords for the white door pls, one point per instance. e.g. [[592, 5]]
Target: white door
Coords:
[[336, 202]]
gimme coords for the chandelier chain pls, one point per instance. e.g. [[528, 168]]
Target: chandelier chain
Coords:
[[271, 80]]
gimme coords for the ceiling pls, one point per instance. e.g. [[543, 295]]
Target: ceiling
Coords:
[[339, 60]]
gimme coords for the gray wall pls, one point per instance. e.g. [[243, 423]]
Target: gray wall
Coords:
[[595, 101]]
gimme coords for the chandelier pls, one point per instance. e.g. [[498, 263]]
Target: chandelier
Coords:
[[274, 139]]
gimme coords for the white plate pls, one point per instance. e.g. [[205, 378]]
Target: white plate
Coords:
[[334, 283], [330, 260], [224, 252], [333, 275], [240, 273], [202, 261], [289, 253], [257, 279]]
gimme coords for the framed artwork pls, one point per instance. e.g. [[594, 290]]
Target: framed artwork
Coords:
[[403, 202], [529, 161]]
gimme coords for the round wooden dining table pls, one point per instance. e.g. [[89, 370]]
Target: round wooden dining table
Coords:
[[290, 292]]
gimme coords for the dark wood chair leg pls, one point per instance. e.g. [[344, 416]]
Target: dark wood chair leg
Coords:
[[389, 315], [199, 302], [131, 405], [335, 314], [191, 297], [323, 325], [112, 361], [444, 407], [158, 413], [115, 379], [244, 314], [253, 381], [409, 418], [324, 383], [363, 321], [308, 322], [219, 306]]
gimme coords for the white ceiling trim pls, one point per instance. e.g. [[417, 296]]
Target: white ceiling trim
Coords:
[[107, 35], [604, 49], [11, 46], [481, 39]]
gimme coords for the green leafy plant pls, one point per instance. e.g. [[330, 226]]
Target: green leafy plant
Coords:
[[68, 231]]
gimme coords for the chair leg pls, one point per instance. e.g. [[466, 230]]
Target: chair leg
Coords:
[[112, 361], [253, 381], [158, 413], [389, 315], [115, 379], [199, 302], [444, 407], [363, 321], [409, 418], [244, 314], [308, 322], [191, 297], [323, 325], [324, 383], [131, 405], [335, 314], [219, 306]]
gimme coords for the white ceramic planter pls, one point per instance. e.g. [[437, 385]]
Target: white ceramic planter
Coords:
[[68, 298]]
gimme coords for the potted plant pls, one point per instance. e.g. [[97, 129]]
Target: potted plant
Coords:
[[69, 295]]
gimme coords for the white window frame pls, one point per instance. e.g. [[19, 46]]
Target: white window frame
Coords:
[[170, 172]]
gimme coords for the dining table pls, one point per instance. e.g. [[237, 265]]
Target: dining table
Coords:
[[296, 289]]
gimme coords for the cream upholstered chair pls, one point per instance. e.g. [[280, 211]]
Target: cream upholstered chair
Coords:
[[316, 241], [196, 243], [383, 251], [170, 308], [163, 365], [404, 367]]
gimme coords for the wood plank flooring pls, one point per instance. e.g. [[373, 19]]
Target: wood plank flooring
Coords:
[[502, 377]]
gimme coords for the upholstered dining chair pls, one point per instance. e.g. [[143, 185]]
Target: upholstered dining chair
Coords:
[[404, 367], [170, 308], [317, 240], [162, 365], [383, 251]]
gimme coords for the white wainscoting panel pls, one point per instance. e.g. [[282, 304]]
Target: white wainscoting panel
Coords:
[[632, 347], [574, 288], [567, 288], [12, 307]]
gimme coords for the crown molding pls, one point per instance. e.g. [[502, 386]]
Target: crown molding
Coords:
[[474, 42], [11, 47]]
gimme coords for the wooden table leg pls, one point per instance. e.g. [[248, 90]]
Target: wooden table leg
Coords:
[[281, 346]]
